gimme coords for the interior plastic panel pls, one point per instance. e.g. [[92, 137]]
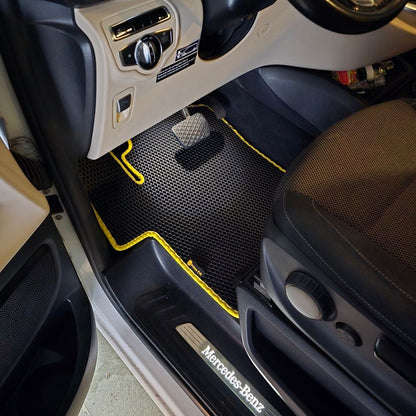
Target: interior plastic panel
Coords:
[[280, 35], [279, 259], [308, 100], [350, 17], [157, 296], [294, 367], [226, 23], [22, 207], [51, 65], [50, 329], [117, 45]]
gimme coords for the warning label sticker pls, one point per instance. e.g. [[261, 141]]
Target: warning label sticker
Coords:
[[176, 67]]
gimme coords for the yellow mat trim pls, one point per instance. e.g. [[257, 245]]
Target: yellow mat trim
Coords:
[[252, 147], [243, 139], [172, 253], [138, 178], [130, 170], [134, 173]]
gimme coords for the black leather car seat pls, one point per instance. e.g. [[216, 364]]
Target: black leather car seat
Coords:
[[339, 256]]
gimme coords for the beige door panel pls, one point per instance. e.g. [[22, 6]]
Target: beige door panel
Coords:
[[22, 207], [10, 110]]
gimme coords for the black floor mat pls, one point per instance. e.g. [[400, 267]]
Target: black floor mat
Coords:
[[210, 203]]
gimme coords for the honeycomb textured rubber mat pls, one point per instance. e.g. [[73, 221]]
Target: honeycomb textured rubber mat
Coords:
[[210, 203]]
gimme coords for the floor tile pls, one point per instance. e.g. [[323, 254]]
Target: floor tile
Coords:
[[114, 390]]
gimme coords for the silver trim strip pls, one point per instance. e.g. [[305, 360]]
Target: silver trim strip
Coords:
[[410, 7], [3, 133], [237, 384]]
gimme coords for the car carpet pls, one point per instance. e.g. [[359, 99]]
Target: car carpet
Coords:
[[206, 205]]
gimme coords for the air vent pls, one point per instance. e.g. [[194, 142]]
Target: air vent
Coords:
[[136, 24]]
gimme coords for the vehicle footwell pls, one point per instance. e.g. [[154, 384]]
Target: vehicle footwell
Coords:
[[207, 205]]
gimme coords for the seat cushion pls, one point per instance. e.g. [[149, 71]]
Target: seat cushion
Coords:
[[349, 202]]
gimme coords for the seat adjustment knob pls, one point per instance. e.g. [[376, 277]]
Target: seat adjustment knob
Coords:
[[309, 297], [348, 334]]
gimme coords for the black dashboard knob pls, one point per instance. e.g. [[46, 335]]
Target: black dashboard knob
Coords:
[[309, 297], [148, 52]]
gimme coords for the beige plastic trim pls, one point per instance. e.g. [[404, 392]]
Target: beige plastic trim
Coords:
[[10, 109], [280, 36], [22, 207]]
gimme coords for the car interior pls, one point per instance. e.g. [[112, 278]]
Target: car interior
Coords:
[[241, 176]]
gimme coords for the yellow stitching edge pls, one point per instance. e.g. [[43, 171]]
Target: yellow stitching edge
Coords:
[[252, 147], [243, 139], [172, 253], [132, 173]]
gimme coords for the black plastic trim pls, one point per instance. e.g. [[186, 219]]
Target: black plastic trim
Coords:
[[226, 23], [397, 359], [51, 65], [63, 343], [335, 16], [279, 258], [157, 295], [294, 366]]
